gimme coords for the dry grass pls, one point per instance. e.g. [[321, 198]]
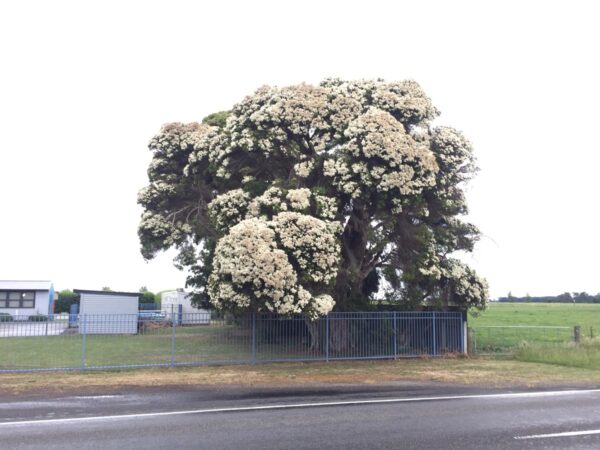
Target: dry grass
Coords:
[[471, 371]]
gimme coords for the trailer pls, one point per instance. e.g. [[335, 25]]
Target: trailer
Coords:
[[178, 306]]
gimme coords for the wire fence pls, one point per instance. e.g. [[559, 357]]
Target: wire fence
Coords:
[[158, 338], [503, 340]]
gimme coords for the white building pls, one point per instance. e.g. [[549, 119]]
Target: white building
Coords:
[[178, 304], [24, 298], [107, 312]]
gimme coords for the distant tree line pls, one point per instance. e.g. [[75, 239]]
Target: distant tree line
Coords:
[[566, 297]]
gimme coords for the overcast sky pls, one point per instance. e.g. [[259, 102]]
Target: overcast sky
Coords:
[[83, 88]]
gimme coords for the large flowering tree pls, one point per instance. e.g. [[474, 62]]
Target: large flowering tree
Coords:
[[306, 198]]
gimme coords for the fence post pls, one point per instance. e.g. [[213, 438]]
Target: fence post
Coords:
[[395, 336], [465, 333], [327, 337], [577, 333], [434, 337], [173, 326], [253, 337], [82, 331]]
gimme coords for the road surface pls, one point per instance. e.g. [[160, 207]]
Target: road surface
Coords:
[[402, 416]]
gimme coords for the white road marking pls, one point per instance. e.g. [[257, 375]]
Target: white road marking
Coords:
[[93, 397], [299, 405], [565, 434]]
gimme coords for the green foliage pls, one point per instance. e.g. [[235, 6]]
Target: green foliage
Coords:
[[148, 297], [371, 284], [65, 299], [217, 119], [38, 318], [6, 317], [200, 267]]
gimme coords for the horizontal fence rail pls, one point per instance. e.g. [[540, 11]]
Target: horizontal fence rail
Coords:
[[167, 338], [505, 339]]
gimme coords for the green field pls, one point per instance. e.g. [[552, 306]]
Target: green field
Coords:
[[585, 315], [505, 326]]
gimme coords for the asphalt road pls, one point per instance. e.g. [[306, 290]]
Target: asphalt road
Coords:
[[400, 416]]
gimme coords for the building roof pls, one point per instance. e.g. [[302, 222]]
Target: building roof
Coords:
[[127, 294], [32, 285]]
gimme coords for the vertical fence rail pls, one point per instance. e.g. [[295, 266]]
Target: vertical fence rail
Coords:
[[327, 338], [253, 338], [173, 333], [434, 335], [83, 332]]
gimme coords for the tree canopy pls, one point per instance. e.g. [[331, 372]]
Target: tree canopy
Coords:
[[305, 198]]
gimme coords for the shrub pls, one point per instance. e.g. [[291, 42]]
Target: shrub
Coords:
[[38, 318], [65, 299], [6, 317]]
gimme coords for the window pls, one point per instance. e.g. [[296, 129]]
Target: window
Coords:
[[17, 299]]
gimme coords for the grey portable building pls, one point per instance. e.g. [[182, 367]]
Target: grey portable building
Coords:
[[106, 312]]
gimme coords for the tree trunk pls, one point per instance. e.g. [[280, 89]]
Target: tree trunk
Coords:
[[339, 336], [316, 334], [354, 253]]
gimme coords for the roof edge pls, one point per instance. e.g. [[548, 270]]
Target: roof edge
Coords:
[[87, 291]]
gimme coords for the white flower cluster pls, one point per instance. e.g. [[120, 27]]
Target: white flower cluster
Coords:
[[157, 227], [305, 121], [250, 271], [299, 198], [454, 154], [275, 200], [270, 202], [228, 209], [470, 289], [405, 100], [156, 191], [174, 137], [312, 243], [380, 155], [327, 207], [304, 168], [321, 305]]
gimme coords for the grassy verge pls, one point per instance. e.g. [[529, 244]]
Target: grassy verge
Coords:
[[584, 355], [471, 371]]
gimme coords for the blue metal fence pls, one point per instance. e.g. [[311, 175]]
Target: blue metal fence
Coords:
[[177, 339]]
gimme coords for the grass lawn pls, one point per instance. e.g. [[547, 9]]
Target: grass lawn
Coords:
[[215, 343], [192, 344]]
